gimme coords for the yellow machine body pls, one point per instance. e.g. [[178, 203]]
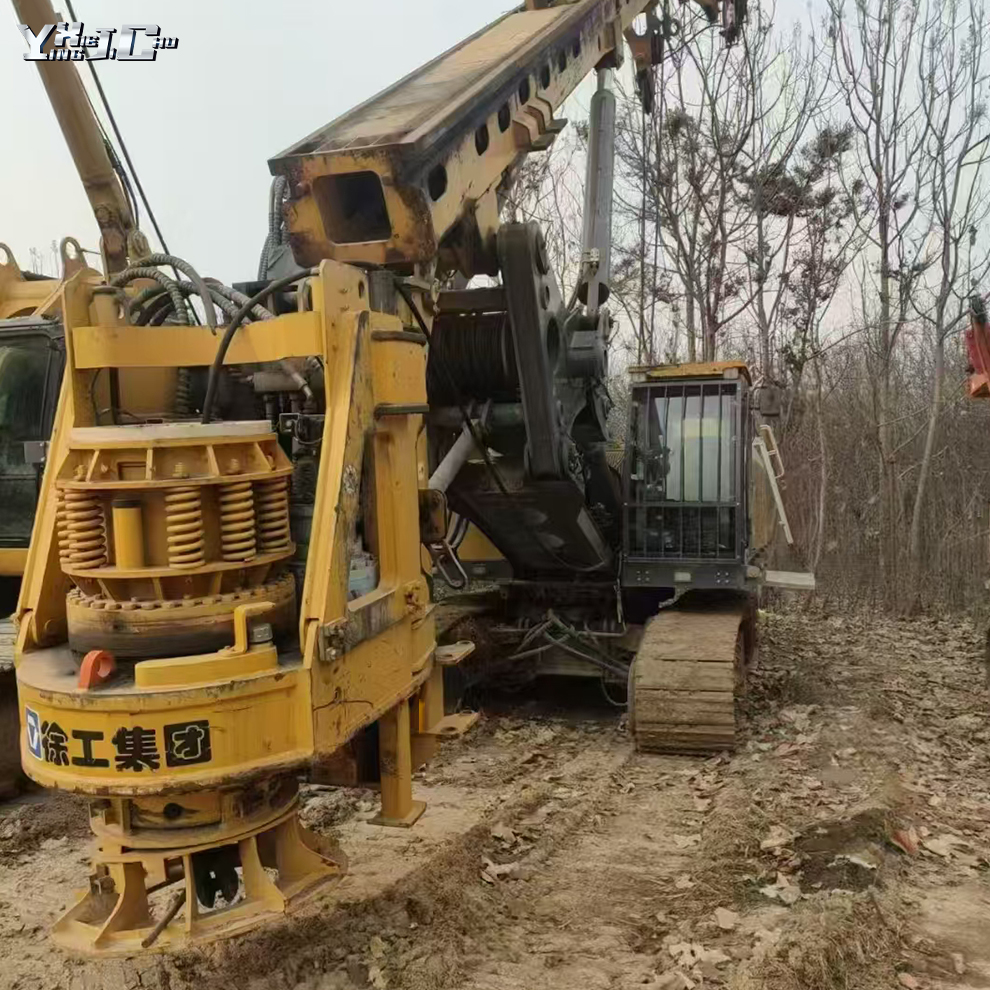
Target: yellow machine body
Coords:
[[187, 751], [169, 666]]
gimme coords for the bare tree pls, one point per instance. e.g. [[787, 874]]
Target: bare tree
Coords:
[[820, 261], [875, 47], [718, 187], [777, 183], [548, 188], [953, 91], [678, 173]]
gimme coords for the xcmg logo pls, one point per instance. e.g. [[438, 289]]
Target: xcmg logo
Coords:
[[73, 44]]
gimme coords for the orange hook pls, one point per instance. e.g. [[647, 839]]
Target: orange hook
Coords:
[[97, 667]]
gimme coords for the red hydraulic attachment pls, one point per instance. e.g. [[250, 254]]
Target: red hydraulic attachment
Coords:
[[978, 347]]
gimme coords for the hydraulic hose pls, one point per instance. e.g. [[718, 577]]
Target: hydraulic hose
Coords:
[[239, 299], [156, 310], [151, 300], [140, 271], [232, 328], [193, 276], [276, 194]]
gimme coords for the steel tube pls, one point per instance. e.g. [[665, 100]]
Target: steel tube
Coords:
[[596, 241], [455, 459]]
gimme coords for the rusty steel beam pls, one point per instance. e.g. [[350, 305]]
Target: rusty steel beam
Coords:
[[414, 172]]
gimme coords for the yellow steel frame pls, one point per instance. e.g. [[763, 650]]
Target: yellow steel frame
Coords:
[[301, 334], [419, 222], [359, 658], [362, 661], [21, 297]]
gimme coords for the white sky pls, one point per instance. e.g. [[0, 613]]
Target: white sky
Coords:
[[247, 80]]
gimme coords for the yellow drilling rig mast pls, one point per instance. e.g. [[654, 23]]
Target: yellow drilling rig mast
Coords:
[[191, 636]]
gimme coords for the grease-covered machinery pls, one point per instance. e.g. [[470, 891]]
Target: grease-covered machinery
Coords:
[[191, 636]]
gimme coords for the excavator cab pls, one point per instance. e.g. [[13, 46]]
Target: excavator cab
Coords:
[[32, 357], [685, 504], [702, 478]]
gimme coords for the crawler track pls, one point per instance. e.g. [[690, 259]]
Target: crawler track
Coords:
[[687, 676]]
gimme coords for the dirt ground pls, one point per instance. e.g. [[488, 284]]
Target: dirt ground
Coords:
[[846, 845]]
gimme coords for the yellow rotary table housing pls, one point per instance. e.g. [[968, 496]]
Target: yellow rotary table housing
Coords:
[[166, 545]]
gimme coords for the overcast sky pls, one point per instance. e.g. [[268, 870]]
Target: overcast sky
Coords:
[[247, 80]]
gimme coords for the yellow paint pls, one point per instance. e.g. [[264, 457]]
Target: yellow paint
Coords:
[[292, 335], [257, 724], [260, 718], [12, 562], [21, 297], [102, 927], [397, 123], [701, 369], [268, 714], [217, 668], [476, 546], [128, 536]]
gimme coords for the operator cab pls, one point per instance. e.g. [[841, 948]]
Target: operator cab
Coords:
[[32, 358], [685, 506]]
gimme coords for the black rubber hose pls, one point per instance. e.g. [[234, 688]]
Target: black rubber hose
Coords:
[[232, 328], [144, 296], [193, 276], [218, 291], [276, 194], [154, 307], [146, 303], [238, 299], [140, 271], [160, 316]]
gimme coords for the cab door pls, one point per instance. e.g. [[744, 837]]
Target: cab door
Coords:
[[32, 360]]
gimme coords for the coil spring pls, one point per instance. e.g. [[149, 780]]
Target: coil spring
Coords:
[[184, 528], [237, 539], [183, 392], [82, 537], [304, 479], [62, 528], [271, 503]]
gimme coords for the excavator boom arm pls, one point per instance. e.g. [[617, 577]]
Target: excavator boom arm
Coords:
[[84, 138]]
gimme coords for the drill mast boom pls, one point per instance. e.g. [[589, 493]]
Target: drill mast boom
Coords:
[[414, 172]]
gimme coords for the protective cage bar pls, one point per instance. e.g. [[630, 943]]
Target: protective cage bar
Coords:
[[684, 495]]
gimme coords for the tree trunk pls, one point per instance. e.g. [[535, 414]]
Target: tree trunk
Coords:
[[885, 415], [819, 545], [692, 331], [925, 469]]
